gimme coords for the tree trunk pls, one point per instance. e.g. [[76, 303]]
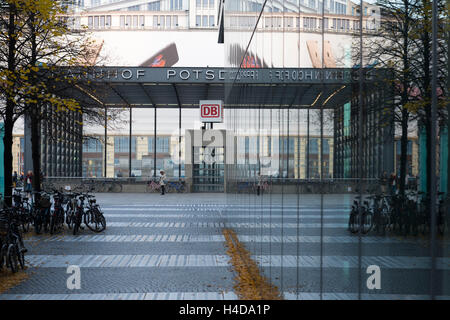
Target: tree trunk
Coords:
[[7, 155], [403, 152], [36, 148], [426, 85], [9, 110]]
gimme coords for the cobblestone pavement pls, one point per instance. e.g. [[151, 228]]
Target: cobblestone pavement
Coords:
[[172, 247]]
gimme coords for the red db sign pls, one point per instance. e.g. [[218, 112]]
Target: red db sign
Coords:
[[211, 111]]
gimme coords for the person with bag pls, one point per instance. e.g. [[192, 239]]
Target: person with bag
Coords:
[[162, 182], [29, 183]]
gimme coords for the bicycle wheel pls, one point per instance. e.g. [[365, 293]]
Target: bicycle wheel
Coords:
[[37, 224], [21, 258], [95, 220], [354, 221], [11, 258], [90, 220], [52, 223], [367, 222], [3, 249], [116, 187], [77, 222]]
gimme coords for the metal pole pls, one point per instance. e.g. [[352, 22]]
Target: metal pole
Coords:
[[179, 143], [154, 145], [105, 143], [321, 157], [433, 191], [129, 149], [360, 141]]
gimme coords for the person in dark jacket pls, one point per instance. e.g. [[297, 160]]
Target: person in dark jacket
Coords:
[[162, 182], [393, 183], [28, 183]]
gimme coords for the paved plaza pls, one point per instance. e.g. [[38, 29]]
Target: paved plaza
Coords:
[[172, 247]]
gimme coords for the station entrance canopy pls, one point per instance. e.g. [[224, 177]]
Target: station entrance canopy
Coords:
[[239, 88]]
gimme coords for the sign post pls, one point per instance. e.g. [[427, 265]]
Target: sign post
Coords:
[[211, 111]]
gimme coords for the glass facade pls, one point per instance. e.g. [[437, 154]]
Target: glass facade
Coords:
[[297, 160], [317, 163]]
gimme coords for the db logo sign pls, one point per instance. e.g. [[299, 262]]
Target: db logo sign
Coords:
[[211, 111]]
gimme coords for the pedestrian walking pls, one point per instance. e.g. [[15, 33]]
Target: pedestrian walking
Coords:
[[407, 181], [14, 179], [162, 182], [259, 184], [29, 183], [384, 179]]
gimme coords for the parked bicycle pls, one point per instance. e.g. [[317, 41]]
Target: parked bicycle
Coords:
[[361, 218], [41, 212], [12, 249], [176, 186], [403, 215], [153, 186]]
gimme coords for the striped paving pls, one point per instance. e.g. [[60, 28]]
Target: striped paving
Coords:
[[188, 238], [128, 261], [223, 225], [242, 216], [288, 261], [214, 296], [384, 262], [126, 296], [192, 234]]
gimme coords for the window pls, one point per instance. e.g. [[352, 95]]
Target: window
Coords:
[[198, 21], [90, 22], [175, 21], [211, 4], [96, 22], [92, 145], [326, 146], [162, 21], [162, 145], [141, 21], [168, 21], [313, 146], [205, 4], [198, 3], [134, 8], [122, 144], [288, 22], [211, 21], [176, 5], [108, 21], [205, 21], [135, 21], [128, 21], [154, 6], [150, 144], [102, 21]]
